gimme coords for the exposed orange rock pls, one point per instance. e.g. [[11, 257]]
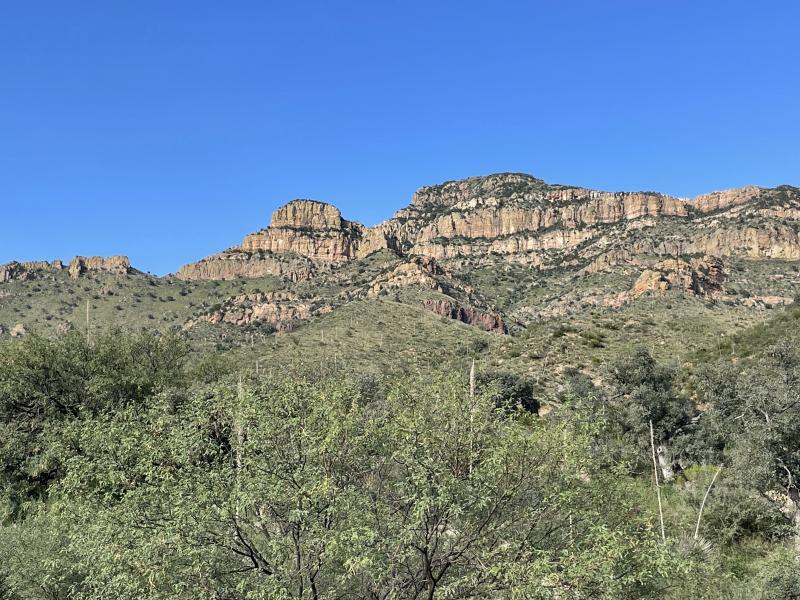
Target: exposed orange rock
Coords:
[[312, 229], [24, 271], [237, 264], [487, 321], [119, 265]]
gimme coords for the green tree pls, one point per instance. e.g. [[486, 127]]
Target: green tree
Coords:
[[751, 425], [307, 487], [641, 391], [47, 382]]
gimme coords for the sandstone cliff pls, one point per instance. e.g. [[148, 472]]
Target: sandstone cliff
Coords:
[[512, 219], [308, 228], [118, 265], [522, 219], [302, 236], [80, 265], [235, 264], [515, 214]]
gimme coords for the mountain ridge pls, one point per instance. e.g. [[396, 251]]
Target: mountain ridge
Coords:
[[515, 213], [498, 252]]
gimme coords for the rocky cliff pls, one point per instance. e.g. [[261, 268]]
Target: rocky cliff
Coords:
[[308, 228], [236, 264], [523, 219], [118, 265], [496, 252], [515, 220], [78, 266], [302, 236], [514, 214]]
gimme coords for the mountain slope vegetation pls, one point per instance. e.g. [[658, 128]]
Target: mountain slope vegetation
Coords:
[[510, 389]]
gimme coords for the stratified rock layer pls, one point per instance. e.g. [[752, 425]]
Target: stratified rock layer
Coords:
[[240, 264], [513, 219], [525, 220], [303, 235], [80, 265], [118, 265], [312, 229]]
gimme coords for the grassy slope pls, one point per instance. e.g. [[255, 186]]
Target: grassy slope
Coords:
[[394, 333]]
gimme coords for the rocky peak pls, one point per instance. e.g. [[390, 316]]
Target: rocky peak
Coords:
[[498, 185], [307, 214], [524, 219], [118, 265], [302, 235], [308, 228]]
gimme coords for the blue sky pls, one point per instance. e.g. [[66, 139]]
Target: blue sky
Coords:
[[166, 130]]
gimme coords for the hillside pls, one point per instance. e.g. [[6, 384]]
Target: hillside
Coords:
[[531, 274], [307, 397]]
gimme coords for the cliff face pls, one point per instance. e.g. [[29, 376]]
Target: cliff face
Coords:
[[512, 219], [312, 229], [238, 264], [496, 252], [302, 235], [78, 266], [118, 265], [25, 271], [514, 214], [470, 315]]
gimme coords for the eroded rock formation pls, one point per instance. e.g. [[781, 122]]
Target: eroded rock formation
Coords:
[[312, 229], [118, 265], [702, 277], [238, 264], [303, 236], [487, 321], [419, 272], [276, 308], [80, 265], [525, 220]]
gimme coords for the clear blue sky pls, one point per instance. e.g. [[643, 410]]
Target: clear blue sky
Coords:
[[167, 129]]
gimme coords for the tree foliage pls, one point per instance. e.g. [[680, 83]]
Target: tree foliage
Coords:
[[306, 486], [132, 470]]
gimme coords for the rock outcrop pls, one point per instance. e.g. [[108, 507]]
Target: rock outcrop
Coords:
[[768, 240], [522, 219], [703, 277], [725, 199], [118, 265], [487, 321], [419, 272], [80, 265], [25, 271], [279, 309], [526, 220], [308, 228], [238, 264], [303, 236]]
